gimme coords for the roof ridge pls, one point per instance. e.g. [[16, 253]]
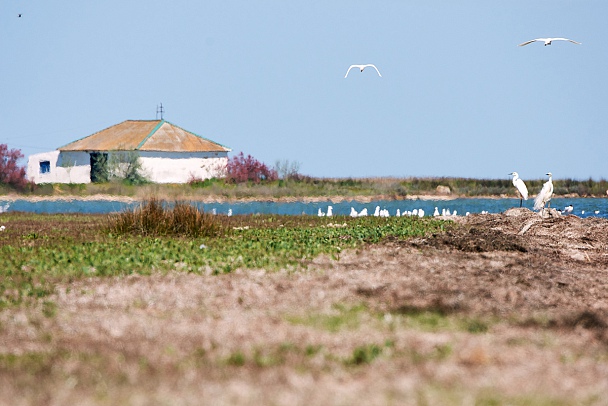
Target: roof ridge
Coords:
[[147, 137]]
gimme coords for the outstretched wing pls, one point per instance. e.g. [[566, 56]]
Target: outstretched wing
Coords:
[[374, 66], [531, 41], [351, 66], [566, 39]]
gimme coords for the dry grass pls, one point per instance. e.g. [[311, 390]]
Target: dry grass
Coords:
[[157, 218]]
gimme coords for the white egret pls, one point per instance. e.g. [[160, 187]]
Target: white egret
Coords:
[[330, 211], [521, 188], [420, 213], [398, 214], [353, 212], [320, 213], [361, 67], [548, 41], [544, 197], [363, 212], [377, 211], [436, 212]]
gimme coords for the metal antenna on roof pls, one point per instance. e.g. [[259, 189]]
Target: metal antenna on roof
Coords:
[[159, 109]]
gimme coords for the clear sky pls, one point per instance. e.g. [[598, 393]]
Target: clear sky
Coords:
[[457, 98]]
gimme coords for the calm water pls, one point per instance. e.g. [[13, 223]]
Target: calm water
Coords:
[[582, 207]]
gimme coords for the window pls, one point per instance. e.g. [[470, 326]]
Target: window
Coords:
[[45, 167]]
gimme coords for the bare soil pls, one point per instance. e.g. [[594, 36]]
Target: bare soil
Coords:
[[532, 294]]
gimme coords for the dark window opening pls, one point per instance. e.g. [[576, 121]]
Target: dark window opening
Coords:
[[99, 167], [45, 167]]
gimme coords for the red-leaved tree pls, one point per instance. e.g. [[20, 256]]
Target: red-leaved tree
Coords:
[[10, 173], [241, 169]]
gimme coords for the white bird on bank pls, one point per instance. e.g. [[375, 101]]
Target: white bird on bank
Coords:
[[330, 211], [568, 209], [521, 188], [361, 67], [353, 212], [4, 209], [548, 41], [544, 197], [363, 213]]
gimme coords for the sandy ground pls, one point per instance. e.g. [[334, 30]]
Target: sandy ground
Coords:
[[506, 309]]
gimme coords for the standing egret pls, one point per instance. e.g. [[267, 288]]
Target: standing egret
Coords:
[[521, 188], [544, 197], [361, 67], [548, 41]]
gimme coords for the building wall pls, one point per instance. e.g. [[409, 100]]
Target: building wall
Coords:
[[64, 167], [158, 167], [180, 167]]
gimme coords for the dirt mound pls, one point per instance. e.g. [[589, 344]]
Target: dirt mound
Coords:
[[525, 231]]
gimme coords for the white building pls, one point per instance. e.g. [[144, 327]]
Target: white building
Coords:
[[167, 153]]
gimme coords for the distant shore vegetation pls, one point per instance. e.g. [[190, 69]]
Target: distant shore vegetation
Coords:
[[247, 178], [311, 187]]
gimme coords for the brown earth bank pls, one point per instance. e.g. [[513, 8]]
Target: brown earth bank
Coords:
[[501, 309]]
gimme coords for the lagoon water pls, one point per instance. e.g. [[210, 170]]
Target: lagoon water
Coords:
[[587, 205]]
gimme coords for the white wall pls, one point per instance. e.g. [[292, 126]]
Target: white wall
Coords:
[[158, 167], [66, 167], [180, 167]]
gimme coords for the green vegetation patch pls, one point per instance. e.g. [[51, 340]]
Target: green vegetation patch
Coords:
[[39, 251]]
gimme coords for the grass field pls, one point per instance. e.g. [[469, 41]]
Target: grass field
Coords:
[[140, 308]]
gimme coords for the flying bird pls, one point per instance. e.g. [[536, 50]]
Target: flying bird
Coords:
[[361, 67], [545, 194], [547, 41], [521, 188]]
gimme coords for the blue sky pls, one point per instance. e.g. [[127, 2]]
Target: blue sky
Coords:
[[457, 96]]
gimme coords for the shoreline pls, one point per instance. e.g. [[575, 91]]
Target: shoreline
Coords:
[[288, 199]]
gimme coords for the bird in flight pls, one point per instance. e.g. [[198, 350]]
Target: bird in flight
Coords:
[[548, 41], [361, 67], [19, 15]]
